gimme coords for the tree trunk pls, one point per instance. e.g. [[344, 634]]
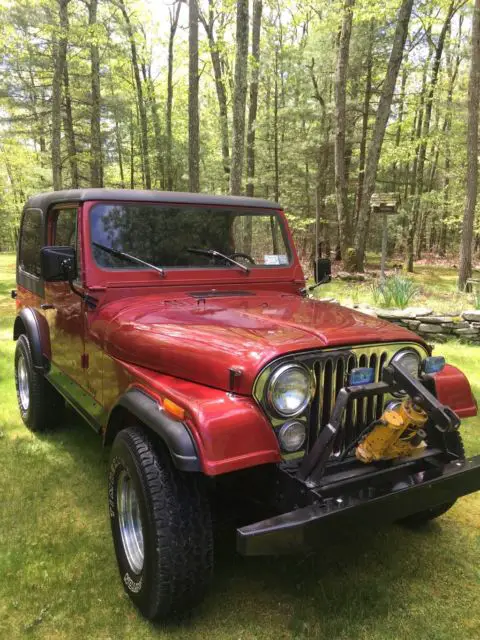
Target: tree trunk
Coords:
[[193, 116], [341, 186], [239, 98], [465, 259], [142, 112], [252, 111], [220, 89], [70, 132], [381, 119], [169, 142], [59, 61], [365, 115], [96, 162], [419, 182]]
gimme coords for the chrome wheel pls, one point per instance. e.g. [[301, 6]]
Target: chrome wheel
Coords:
[[130, 522], [23, 383]]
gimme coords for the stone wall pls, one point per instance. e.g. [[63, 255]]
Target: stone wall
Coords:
[[436, 327]]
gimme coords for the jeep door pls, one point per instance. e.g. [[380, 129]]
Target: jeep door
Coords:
[[63, 308]]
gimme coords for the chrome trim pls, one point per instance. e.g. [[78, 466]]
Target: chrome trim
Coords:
[[329, 378], [273, 381], [130, 522], [23, 383], [284, 428]]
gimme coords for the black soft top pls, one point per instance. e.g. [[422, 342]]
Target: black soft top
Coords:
[[44, 200]]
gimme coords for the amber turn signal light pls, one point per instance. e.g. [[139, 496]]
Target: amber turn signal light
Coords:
[[173, 409]]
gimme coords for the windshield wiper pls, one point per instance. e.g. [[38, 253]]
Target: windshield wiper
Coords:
[[127, 256], [216, 254]]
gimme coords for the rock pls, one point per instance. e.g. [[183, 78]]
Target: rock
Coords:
[[429, 328], [413, 324], [475, 325], [456, 325], [435, 319], [438, 337], [466, 332], [417, 312], [368, 311], [391, 314], [352, 277], [326, 300], [471, 316]]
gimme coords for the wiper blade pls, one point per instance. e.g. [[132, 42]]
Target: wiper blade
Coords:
[[127, 256], [216, 254]]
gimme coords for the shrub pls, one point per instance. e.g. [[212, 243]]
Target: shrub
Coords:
[[395, 291]]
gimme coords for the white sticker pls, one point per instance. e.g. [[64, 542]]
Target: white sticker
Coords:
[[282, 259], [271, 259]]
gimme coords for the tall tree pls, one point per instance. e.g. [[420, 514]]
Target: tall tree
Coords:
[[193, 115], [59, 61], [174, 14], [253, 104], [218, 65], [381, 119], [341, 185], [96, 163], [239, 97], [142, 111], [465, 270], [425, 131]]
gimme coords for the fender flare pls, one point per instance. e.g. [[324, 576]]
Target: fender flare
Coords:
[[36, 329], [175, 435]]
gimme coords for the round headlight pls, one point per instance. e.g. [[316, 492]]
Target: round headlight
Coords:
[[290, 390], [409, 360], [292, 436]]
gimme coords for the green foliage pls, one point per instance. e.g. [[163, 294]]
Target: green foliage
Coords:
[[397, 290]]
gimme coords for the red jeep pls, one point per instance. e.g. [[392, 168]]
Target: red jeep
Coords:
[[179, 326]]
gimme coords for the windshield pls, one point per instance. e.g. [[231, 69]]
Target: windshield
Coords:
[[187, 236]]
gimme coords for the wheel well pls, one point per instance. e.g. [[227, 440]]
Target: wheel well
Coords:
[[121, 418], [18, 328]]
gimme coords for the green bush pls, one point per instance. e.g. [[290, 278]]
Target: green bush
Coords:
[[397, 291]]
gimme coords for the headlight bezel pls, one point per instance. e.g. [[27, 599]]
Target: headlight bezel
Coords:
[[407, 351], [273, 380]]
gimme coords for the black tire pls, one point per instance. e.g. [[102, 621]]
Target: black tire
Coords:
[[44, 408], [454, 443], [176, 527]]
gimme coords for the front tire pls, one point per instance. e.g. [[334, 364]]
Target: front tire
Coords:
[[40, 405], [161, 527]]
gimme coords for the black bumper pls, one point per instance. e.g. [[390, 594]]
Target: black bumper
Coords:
[[300, 528]]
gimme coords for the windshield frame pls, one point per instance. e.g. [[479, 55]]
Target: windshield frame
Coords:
[[254, 211]]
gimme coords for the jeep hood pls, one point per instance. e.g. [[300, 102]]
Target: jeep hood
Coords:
[[201, 339]]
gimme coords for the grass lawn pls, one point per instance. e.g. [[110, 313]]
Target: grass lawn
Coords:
[[436, 288], [59, 577]]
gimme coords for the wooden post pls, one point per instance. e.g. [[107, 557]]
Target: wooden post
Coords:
[[384, 246]]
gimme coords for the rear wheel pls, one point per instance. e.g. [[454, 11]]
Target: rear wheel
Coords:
[[39, 403], [454, 444], [161, 527]]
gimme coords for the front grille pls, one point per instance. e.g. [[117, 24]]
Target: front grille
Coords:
[[331, 374]]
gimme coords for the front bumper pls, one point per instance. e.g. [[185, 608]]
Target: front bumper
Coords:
[[355, 493], [300, 528]]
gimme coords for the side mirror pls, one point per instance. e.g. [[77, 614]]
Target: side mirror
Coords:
[[58, 264], [323, 270]]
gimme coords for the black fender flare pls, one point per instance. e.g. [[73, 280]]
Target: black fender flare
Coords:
[[175, 434], [36, 329]]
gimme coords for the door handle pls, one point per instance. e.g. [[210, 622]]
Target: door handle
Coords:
[[45, 306]]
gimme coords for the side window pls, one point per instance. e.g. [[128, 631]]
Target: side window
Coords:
[[64, 232], [31, 242], [65, 228]]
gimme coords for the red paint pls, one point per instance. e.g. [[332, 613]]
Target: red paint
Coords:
[[230, 432], [200, 341], [150, 332], [453, 389]]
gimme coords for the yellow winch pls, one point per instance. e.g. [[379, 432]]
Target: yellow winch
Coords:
[[398, 433]]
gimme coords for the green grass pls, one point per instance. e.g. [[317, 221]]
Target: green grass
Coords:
[[58, 577], [436, 289]]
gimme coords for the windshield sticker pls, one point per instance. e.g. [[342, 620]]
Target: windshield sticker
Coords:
[[275, 259]]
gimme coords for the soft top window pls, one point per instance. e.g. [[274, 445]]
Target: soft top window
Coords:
[[163, 235]]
